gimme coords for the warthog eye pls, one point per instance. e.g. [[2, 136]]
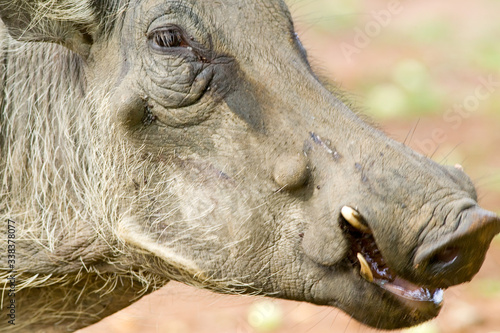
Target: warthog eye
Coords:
[[164, 38]]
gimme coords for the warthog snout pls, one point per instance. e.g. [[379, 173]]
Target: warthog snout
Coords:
[[458, 255], [452, 258]]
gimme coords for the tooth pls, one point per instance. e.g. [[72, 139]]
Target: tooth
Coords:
[[365, 271], [354, 219], [459, 167]]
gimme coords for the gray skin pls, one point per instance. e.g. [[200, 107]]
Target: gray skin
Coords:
[[219, 160]]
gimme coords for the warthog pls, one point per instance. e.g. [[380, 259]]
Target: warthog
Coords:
[[148, 141]]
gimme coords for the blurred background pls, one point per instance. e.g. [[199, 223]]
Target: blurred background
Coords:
[[428, 73]]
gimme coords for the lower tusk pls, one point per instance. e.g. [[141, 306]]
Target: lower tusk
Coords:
[[365, 272]]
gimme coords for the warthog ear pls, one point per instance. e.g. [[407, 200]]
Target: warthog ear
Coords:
[[68, 22]]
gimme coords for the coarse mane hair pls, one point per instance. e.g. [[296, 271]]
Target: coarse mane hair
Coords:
[[62, 174]]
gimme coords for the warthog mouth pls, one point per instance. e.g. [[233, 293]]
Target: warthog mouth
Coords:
[[366, 257]]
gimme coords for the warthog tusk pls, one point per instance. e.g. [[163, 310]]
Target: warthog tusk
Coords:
[[354, 219], [365, 272]]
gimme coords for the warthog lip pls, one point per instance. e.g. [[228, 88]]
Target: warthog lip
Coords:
[[366, 255]]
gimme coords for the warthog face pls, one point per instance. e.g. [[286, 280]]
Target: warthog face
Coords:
[[237, 169]]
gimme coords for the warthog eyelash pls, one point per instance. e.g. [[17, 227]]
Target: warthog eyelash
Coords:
[[166, 37]]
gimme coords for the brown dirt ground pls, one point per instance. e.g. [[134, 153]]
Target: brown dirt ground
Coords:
[[470, 308]]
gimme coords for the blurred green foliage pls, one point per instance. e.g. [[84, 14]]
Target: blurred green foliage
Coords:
[[496, 240], [456, 49], [326, 15], [429, 327], [430, 31], [486, 55], [410, 91], [489, 288]]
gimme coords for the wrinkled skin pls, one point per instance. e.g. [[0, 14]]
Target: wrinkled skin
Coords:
[[246, 162]]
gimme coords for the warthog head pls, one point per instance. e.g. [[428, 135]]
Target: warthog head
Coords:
[[153, 140]]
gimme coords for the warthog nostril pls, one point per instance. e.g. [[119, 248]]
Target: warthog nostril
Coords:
[[456, 257], [445, 258]]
